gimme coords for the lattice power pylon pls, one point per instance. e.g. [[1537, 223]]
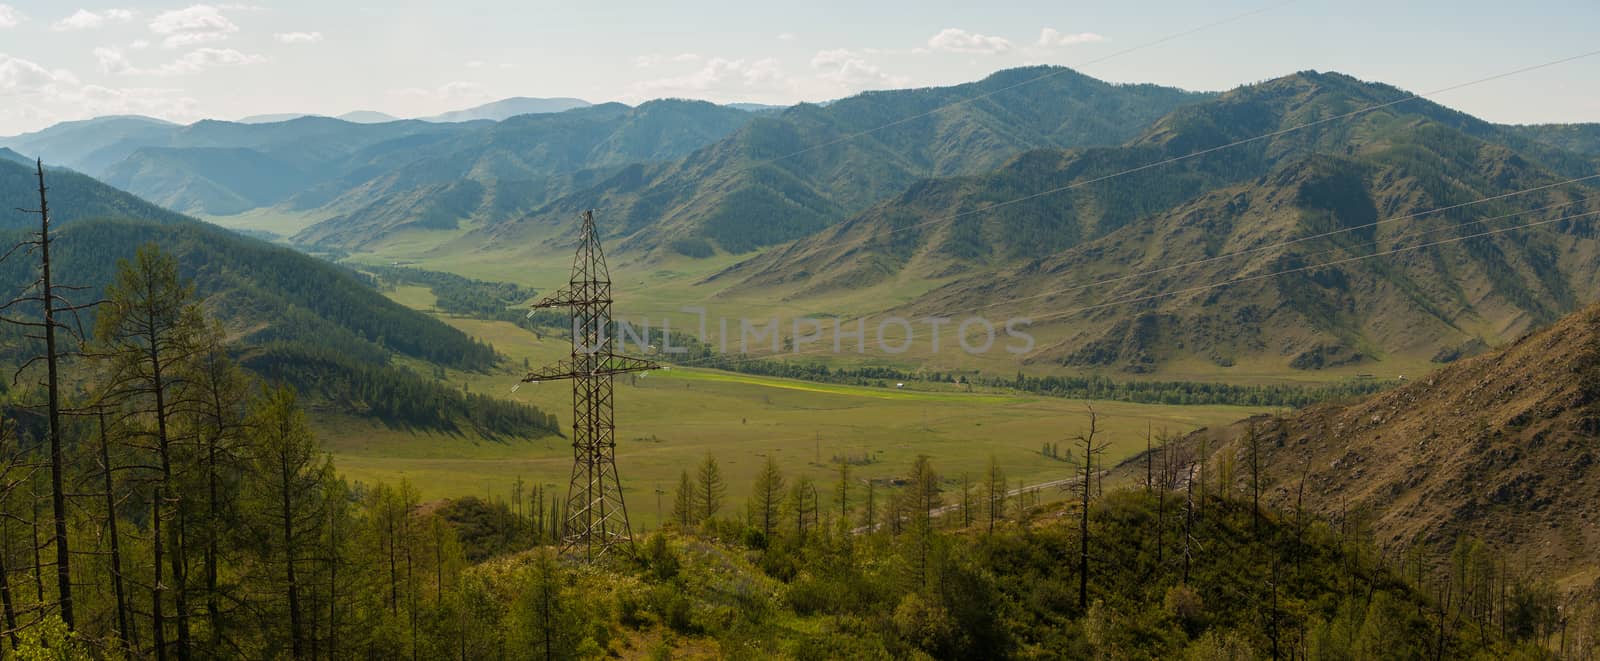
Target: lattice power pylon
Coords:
[[597, 519]]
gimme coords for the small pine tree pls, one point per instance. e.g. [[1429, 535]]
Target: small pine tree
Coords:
[[683, 509], [710, 489], [765, 498]]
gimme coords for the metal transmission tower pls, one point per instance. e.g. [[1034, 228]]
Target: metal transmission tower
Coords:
[[597, 519]]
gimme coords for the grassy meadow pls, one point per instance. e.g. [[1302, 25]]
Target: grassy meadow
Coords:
[[669, 420]]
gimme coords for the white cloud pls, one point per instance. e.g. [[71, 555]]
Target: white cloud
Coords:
[[201, 59], [1051, 37], [37, 96], [298, 37], [956, 40], [139, 44], [477, 64], [718, 75], [113, 61], [461, 89], [197, 24], [851, 72], [10, 17], [21, 77], [84, 19], [653, 59], [786, 36]]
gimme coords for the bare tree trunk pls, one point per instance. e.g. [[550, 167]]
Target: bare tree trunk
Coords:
[[58, 495], [213, 609], [394, 571], [1188, 519], [158, 622], [123, 630], [33, 530], [5, 581], [296, 635], [1090, 451], [333, 583]]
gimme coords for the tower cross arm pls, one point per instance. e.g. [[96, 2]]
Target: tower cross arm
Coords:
[[604, 364], [565, 297]]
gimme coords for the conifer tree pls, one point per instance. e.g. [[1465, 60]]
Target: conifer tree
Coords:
[[683, 507], [766, 496], [286, 500], [710, 489], [151, 331]]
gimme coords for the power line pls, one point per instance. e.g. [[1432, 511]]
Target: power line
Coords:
[[1211, 150], [720, 360], [1236, 143], [1263, 276], [1149, 44], [1302, 239], [1056, 72]]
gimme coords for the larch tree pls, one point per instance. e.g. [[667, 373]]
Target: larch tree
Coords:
[[220, 395], [842, 491], [710, 489], [150, 331], [546, 622], [286, 499], [921, 498], [125, 629], [766, 497], [683, 507], [802, 505]]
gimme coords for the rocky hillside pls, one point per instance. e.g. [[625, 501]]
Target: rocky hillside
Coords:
[[1502, 447], [1057, 235]]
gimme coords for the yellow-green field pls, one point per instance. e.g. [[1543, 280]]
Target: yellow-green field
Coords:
[[669, 420], [654, 288]]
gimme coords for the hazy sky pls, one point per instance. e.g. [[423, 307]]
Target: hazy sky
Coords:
[[64, 59]]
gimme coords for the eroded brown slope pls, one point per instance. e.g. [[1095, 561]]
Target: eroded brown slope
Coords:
[[1502, 446]]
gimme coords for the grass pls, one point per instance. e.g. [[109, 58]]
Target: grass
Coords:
[[272, 220], [668, 421], [654, 289]]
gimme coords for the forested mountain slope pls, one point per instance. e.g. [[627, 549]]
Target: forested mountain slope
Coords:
[[317, 324], [502, 171], [1082, 227], [789, 174]]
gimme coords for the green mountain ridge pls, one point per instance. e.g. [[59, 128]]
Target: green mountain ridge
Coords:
[[288, 313], [505, 169], [1578, 138], [219, 180], [1077, 228], [791, 174]]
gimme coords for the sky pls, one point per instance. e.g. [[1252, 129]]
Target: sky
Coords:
[[65, 60]]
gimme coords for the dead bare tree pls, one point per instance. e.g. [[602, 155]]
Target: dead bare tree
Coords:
[[46, 295], [1091, 448]]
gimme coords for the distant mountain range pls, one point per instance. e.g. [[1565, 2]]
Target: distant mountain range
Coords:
[[507, 108], [891, 190], [1048, 254], [357, 117]]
